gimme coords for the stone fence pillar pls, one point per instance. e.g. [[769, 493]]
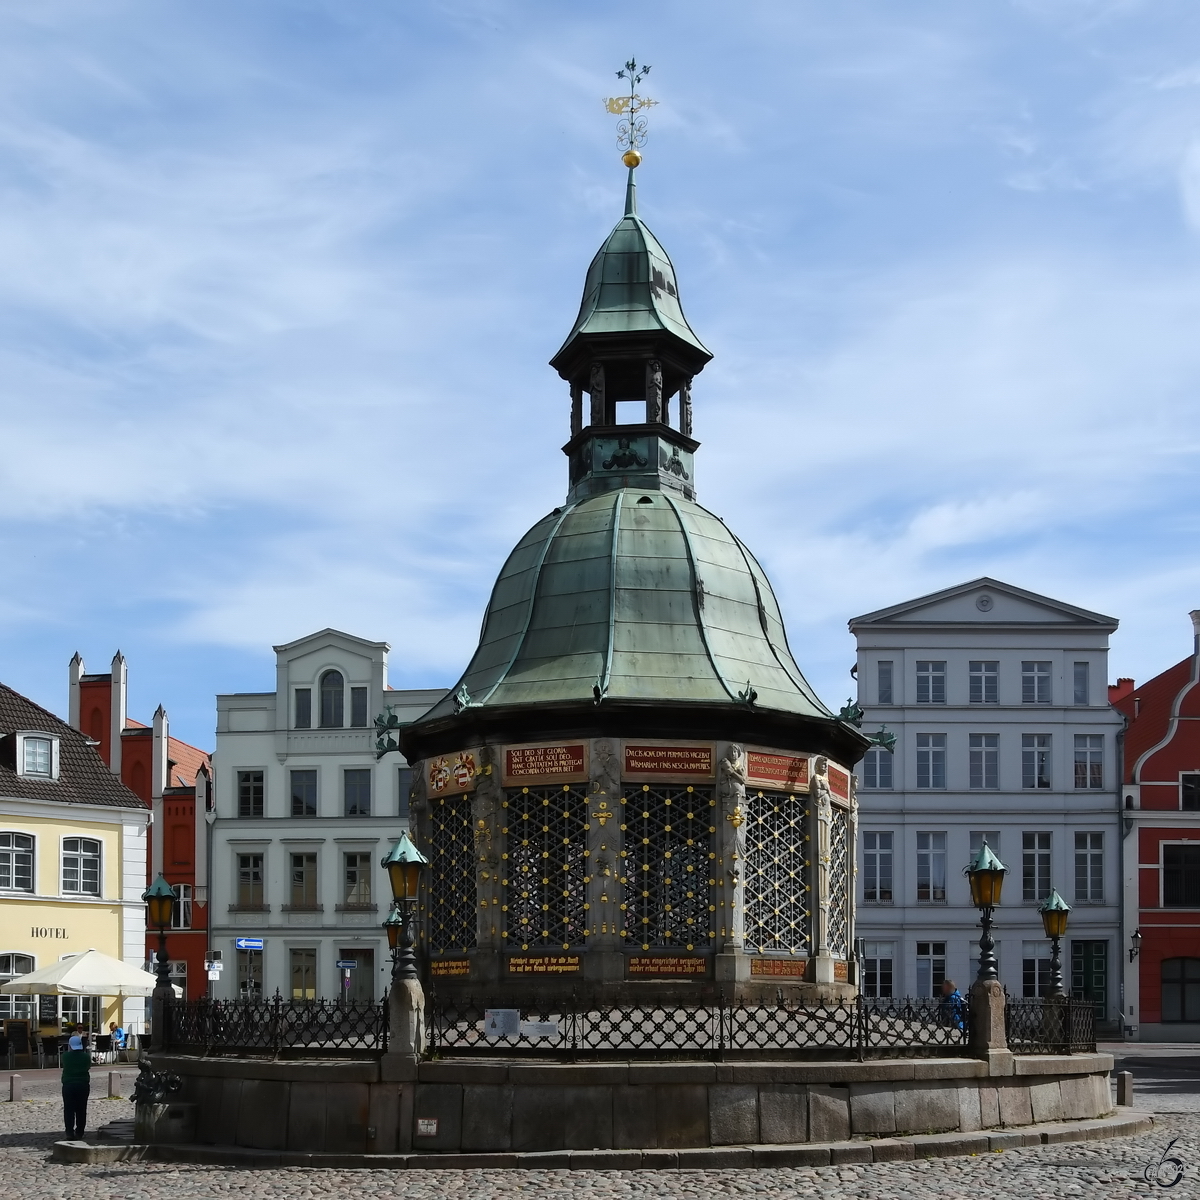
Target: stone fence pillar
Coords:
[[988, 1039]]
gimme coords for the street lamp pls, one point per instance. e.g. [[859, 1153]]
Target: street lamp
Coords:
[[986, 874], [1054, 911], [160, 907], [1135, 944], [404, 864]]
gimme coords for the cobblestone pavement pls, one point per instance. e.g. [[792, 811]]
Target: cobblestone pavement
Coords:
[[1097, 1169]]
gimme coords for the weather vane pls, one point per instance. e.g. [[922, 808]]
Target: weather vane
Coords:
[[631, 128]]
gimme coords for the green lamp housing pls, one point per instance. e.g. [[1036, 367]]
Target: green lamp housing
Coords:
[[986, 875], [404, 864], [159, 898], [1054, 910]]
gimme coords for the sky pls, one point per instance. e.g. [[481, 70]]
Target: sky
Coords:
[[279, 283]]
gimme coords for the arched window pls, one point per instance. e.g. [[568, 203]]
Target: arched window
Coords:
[[16, 864], [333, 691], [1181, 989]]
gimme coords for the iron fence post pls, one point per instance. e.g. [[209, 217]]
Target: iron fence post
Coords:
[[860, 1027], [276, 1032]]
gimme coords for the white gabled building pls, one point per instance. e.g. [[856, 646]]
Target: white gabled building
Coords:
[[998, 701], [304, 813]]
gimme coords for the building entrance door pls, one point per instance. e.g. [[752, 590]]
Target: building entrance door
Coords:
[[359, 988], [1089, 974]]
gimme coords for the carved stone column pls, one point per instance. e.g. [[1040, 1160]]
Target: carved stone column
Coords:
[[730, 873], [685, 407], [822, 808], [605, 870], [576, 408], [852, 854], [599, 411], [654, 391], [487, 818]]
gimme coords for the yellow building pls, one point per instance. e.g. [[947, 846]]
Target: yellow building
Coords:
[[72, 863]]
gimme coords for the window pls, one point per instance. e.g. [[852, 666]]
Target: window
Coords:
[[886, 695], [877, 768], [931, 967], [1089, 974], [81, 866], [931, 682], [1181, 876], [1181, 989], [304, 708], [82, 1010], [1089, 868], [985, 760], [37, 756], [250, 881], [931, 760], [358, 707], [12, 965], [1035, 968], [404, 782], [877, 868], [304, 881], [357, 785], [1089, 761], [984, 682], [1035, 760], [181, 914], [250, 974], [16, 862], [991, 836], [877, 968], [1035, 683], [931, 868], [1082, 689], [250, 793], [304, 793], [303, 965], [333, 692], [1189, 792], [1035, 867], [357, 890]]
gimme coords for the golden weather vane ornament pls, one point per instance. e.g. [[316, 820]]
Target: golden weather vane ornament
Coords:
[[631, 129]]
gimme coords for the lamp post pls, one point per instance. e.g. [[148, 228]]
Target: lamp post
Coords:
[[1054, 911], [160, 907], [1135, 944], [986, 875], [404, 864]]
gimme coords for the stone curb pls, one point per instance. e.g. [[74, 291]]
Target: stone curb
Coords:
[[807, 1154]]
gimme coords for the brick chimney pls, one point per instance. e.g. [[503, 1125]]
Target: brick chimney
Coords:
[[1119, 690]]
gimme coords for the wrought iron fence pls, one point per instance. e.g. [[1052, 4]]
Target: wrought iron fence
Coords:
[[275, 1025], [859, 1028], [1050, 1025]]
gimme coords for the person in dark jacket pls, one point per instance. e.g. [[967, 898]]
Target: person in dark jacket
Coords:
[[76, 1086]]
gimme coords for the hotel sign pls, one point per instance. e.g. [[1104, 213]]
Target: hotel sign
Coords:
[[668, 762], [788, 772], [560, 763]]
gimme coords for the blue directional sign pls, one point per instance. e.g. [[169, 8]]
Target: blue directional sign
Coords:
[[346, 964], [248, 943]]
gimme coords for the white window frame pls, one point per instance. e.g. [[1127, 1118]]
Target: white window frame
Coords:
[[931, 853], [931, 680], [39, 735], [931, 756], [984, 765], [1089, 859], [12, 851], [181, 911], [1089, 754], [1037, 677], [885, 695], [1037, 865], [986, 673], [1036, 764], [1083, 669], [930, 960], [64, 853], [1036, 958], [875, 854], [873, 764], [875, 954]]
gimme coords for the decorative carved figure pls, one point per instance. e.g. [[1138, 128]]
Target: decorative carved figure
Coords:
[[654, 391], [597, 392], [624, 457], [685, 407]]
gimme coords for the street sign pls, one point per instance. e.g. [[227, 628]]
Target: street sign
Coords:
[[214, 965], [248, 943], [214, 974], [347, 964]]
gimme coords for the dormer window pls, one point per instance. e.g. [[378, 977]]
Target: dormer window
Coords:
[[333, 700], [37, 755]]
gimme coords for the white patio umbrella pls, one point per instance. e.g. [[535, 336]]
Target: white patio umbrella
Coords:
[[88, 974]]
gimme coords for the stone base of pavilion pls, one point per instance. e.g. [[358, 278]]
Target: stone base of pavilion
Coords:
[[500, 1112]]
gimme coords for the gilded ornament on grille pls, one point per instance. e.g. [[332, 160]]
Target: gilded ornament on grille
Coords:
[[839, 883], [777, 917], [452, 896]]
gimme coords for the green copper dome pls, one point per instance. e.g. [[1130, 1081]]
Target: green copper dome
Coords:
[[632, 595]]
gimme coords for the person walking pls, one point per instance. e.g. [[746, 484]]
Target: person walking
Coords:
[[952, 1008], [76, 1087]]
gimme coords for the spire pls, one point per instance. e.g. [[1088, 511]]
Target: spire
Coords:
[[631, 195]]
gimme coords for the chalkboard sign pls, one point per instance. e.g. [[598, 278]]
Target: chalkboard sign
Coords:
[[17, 1032], [47, 1010]]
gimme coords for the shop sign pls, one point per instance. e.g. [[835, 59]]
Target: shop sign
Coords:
[[451, 774], [450, 968], [666, 964], [562, 763], [695, 762], [788, 772], [56, 932], [779, 968], [545, 964]]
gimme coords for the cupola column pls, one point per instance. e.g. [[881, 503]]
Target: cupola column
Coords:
[[598, 416], [576, 408], [654, 392], [685, 408], [824, 817]]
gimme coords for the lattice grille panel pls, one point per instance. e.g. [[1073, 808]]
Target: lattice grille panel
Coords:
[[778, 893], [451, 892], [668, 866], [839, 883], [547, 867]]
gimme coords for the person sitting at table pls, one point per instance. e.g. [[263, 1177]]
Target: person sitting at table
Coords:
[[117, 1034]]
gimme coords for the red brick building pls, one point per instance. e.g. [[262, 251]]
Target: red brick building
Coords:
[[173, 780], [1161, 802]]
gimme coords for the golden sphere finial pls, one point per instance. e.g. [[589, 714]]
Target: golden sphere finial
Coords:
[[631, 158]]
